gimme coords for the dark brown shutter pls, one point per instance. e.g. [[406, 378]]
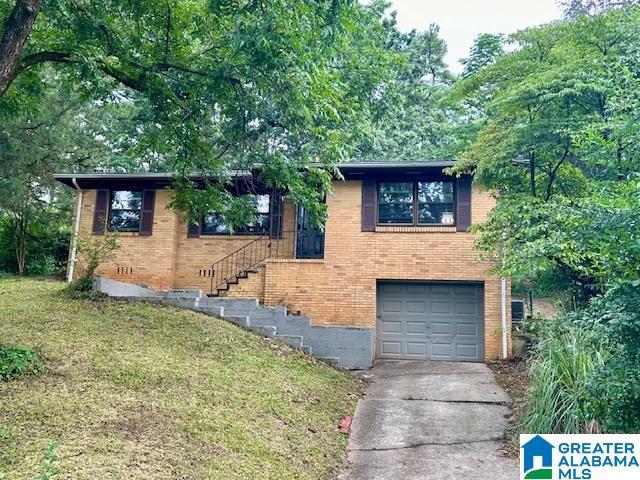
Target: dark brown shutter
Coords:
[[100, 212], [146, 217], [369, 199], [275, 215], [193, 229], [463, 204]]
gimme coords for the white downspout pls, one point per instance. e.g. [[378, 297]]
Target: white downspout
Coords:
[[503, 297], [76, 228]]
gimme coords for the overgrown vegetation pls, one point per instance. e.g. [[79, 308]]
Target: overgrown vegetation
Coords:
[[556, 137], [564, 363], [147, 391]]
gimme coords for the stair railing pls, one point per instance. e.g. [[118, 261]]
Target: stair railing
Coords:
[[235, 266]]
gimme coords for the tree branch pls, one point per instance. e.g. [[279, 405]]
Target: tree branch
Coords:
[[554, 172]]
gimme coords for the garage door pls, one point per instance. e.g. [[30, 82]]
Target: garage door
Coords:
[[436, 321]]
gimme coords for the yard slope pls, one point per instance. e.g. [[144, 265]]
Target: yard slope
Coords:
[[147, 391]]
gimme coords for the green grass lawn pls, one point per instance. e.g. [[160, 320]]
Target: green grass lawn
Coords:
[[146, 391]]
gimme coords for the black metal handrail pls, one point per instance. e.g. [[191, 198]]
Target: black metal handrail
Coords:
[[237, 265]]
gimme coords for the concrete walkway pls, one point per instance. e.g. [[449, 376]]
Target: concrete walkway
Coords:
[[430, 421]]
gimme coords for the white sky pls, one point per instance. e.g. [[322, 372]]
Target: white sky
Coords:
[[462, 20]]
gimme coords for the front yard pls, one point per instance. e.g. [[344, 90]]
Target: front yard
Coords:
[[145, 391]]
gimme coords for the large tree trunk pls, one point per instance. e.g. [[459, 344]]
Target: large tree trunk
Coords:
[[16, 30]]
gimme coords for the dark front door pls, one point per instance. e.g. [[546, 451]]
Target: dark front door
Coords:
[[309, 240]]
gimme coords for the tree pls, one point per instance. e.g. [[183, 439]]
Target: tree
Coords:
[[558, 141], [228, 84], [409, 118], [17, 28], [575, 8], [485, 51], [66, 132]]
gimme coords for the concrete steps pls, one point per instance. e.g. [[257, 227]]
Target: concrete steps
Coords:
[[349, 348], [346, 347]]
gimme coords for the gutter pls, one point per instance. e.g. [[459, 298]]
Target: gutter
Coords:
[[76, 228], [503, 312]]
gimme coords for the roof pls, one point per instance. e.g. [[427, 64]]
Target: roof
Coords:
[[349, 170]]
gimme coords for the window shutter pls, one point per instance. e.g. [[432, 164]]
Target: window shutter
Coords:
[[463, 204], [146, 217], [369, 199], [275, 215], [100, 212], [193, 229]]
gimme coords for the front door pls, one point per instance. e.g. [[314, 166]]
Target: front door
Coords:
[[309, 240]]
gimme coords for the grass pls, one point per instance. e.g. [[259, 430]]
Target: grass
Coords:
[[146, 391]]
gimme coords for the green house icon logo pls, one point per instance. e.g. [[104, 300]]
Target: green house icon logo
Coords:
[[537, 459]]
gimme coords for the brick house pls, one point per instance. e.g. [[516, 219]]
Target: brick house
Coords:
[[395, 262]]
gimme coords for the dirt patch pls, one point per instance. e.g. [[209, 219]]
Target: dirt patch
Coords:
[[140, 425], [512, 375]]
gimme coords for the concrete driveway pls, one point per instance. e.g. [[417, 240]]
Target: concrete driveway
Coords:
[[428, 421]]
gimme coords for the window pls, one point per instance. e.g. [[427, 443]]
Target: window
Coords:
[[416, 203], [214, 224], [124, 211], [395, 202], [435, 203]]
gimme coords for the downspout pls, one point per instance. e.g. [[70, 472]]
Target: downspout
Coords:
[[76, 228], [503, 297]]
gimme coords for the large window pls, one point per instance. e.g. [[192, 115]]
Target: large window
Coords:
[[124, 211], [416, 203], [214, 224]]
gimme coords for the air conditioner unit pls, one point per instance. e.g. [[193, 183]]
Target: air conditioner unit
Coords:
[[517, 311]]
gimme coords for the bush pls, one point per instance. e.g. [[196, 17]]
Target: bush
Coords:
[[563, 367], [615, 387], [18, 361], [92, 252]]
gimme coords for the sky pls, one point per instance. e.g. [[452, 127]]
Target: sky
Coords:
[[462, 20]]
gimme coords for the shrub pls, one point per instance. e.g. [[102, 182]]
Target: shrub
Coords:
[[18, 361], [95, 251], [615, 387], [92, 252], [562, 368]]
